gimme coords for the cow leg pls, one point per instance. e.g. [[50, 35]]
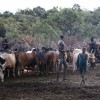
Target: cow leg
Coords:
[[51, 67], [37, 69], [8, 72], [1, 75], [13, 72], [47, 68], [2, 78], [93, 65], [42, 69], [19, 72], [74, 67], [54, 68]]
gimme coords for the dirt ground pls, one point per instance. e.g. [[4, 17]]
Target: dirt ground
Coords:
[[30, 87]]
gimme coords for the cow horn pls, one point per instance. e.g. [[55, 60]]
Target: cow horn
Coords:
[[91, 50]]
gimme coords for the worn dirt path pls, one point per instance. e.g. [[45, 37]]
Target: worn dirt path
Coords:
[[30, 87]]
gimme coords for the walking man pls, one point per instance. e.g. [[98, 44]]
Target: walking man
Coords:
[[61, 59], [82, 65]]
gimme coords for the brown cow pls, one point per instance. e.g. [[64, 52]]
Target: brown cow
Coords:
[[52, 60], [25, 60], [41, 61], [69, 57]]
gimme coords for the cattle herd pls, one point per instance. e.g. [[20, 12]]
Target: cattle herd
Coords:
[[42, 61]]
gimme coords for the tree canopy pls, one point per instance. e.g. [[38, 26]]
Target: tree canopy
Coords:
[[69, 21]]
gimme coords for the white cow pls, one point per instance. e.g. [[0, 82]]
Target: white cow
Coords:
[[10, 62], [76, 52], [75, 56]]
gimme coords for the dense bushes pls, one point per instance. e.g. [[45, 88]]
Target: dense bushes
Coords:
[[30, 24]]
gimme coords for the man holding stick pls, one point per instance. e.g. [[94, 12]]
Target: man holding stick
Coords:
[[62, 58]]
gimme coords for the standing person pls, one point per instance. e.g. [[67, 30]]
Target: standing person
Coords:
[[82, 64], [92, 45], [5, 45], [61, 59]]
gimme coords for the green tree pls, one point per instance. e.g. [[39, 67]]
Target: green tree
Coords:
[[2, 29]]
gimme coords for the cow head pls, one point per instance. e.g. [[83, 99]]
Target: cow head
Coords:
[[2, 68], [2, 63]]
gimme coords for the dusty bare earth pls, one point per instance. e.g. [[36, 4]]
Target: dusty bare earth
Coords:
[[30, 87]]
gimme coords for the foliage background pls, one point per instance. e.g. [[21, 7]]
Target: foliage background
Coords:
[[30, 25]]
